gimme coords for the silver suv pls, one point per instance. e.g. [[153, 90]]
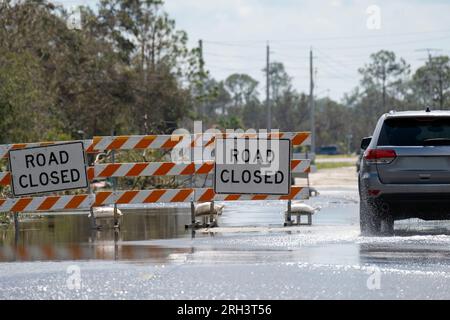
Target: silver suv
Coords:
[[404, 171]]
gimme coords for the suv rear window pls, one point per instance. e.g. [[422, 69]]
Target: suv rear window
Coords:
[[420, 131]]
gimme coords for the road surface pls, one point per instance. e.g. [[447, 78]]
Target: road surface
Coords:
[[250, 257]]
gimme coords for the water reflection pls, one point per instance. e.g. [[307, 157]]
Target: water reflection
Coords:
[[69, 237], [414, 242]]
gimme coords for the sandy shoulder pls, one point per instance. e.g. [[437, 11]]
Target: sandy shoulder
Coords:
[[337, 177]]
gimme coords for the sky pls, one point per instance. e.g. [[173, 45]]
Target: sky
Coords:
[[341, 33]]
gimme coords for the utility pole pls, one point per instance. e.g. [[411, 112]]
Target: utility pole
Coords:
[[269, 110], [311, 102], [433, 71], [202, 65]]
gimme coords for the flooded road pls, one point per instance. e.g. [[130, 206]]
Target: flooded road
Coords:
[[249, 256]]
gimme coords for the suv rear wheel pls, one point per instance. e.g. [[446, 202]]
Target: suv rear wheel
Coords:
[[369, 219], [375, 219]]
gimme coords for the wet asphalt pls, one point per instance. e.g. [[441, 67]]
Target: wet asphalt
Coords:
[[251, 256]]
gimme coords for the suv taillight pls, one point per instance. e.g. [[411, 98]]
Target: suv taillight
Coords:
[[380, 156]]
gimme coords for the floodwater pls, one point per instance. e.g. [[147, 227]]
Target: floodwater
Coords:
[[251, 255], [69, 236]]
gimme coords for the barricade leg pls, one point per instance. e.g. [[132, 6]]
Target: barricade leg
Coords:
[[92, 219], [211, 215], [16, 227], [116, 218], [288, 221]]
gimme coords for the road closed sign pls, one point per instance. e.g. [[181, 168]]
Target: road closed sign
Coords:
[[252, 166], [46, 169]]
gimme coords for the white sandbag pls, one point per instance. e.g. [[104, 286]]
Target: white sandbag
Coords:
[[298, 207], [204, 208], [105, 212]]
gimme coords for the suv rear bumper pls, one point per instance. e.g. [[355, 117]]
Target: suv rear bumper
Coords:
[[424, 201], [373, 183]]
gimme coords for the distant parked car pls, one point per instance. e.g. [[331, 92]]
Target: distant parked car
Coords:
[[405, 170], [329, 150]]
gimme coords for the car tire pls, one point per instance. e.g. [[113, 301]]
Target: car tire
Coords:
[[387, 225], [369, 218]]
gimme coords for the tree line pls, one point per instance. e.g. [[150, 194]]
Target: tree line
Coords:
[[127, 69]]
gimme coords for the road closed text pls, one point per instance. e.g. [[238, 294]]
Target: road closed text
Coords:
[[252, 166], [45, 169], [44, 178], [247, 176]]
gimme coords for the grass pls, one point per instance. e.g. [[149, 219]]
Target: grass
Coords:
[[4, 218], [325, 156], [334, 165]]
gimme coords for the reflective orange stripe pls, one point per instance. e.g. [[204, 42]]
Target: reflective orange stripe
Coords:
[[18, 146], [295, 163], [172, 142], [259, 197], [145, 142], [95, 141], [100, 197], [6, 180], [75, 202], [181, 195], [205, 168], [275, 135], [299, 138], [294, 192], [46, 143], [48, 203], [232, 197], [154, 196], [109, 170], [90, 173], [117, 143], [207, 196], [190, 169], [127, 197], [211, 141], [164, 168], [137, 169], [21, 204]]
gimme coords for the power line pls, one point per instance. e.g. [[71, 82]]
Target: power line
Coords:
[[350, 37], [381, 45], [339, 64], [218, 43], [253, 57]]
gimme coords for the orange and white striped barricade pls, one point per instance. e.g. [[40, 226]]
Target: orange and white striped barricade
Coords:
[[5, 148], [144, 196], [86, 201], [208, 194], [98, 144], [148, 169], [101, 143], [47, 203]]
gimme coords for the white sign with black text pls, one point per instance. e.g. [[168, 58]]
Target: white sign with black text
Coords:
[[46, 169], [252, 166]]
